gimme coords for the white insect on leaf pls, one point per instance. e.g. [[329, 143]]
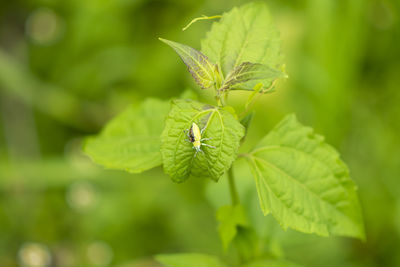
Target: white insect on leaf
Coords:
[[194, 136]]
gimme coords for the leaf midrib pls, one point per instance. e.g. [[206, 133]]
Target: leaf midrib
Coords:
[[305, 188], [222, 134], [210, 76], [246, 41], [206, 126], [270, 147], [179, 140], [277, 198]]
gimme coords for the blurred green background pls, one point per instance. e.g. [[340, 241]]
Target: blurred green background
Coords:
[[67, 67]]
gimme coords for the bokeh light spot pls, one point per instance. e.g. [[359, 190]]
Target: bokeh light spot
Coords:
[[99, 253], [34, 255], [81, 196], [44, 26]]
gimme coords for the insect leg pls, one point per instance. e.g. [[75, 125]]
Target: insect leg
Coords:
[[205, 139], [207, 145], [187, 133], [202, 130]]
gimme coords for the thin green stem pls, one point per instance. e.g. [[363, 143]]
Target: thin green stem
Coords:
[[232, 188], [226, 96], [220, 99], [219, 102], [201, 18], [244, 155]]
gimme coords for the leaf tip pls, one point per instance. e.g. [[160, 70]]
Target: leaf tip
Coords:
[[168, 42]]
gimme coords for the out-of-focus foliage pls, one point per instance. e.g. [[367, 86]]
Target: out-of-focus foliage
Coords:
[[67, 66], [195, 260]]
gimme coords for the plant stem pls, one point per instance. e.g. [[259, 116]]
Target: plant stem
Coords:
[[232, 188], [219, 102]]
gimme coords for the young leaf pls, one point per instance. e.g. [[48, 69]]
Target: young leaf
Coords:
[[230, 217], [178, 155], [189, 259], [245, 34], [302, 181], [247, 75], [199, 66], [246, 121], [131, 141], [257, 90]]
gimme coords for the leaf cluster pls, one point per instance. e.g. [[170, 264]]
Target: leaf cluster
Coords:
[[300, 179]]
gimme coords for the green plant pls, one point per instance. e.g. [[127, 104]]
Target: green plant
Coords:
[[299, 178]]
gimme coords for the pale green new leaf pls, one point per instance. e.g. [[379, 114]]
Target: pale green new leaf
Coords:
[[179, 156], [247, 75], [230, 217], [131, 141], [199, 66], [257, 90], [303, 182], [244, 34], [246, 121], [189, 259]]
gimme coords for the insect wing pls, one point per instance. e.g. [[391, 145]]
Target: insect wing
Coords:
[[196, 131], [191, 135]]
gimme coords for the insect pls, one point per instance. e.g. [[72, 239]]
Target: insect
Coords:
[[194, 136]]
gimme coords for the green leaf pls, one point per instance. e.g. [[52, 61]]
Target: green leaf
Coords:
[[131, 141], [189, 259], [230, 217], [245, 34], [179, 156], [247, 75], [246, 121], [304, 184], [199, 66], [256, 90]]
